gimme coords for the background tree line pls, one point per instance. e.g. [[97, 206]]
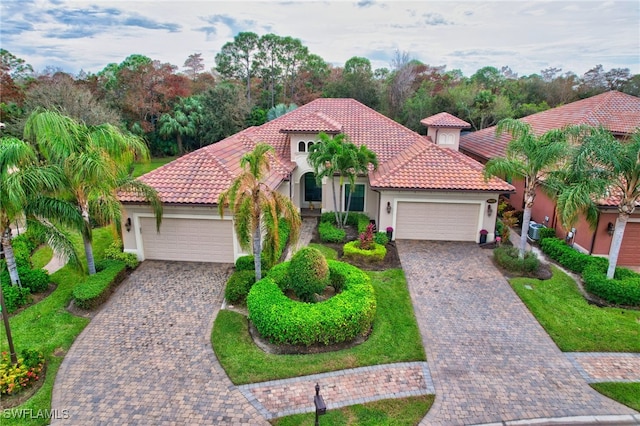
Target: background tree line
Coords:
[[257, 78]]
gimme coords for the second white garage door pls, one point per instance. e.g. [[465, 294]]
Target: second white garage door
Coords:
[[437, 221], [190, 240]]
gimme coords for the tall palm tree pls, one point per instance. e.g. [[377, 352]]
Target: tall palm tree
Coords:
[[600, 167], [94, 162], [257, 207], [25, 192], [528, 157], [364, 158]]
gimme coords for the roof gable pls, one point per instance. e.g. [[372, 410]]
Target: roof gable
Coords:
[[444, 119]]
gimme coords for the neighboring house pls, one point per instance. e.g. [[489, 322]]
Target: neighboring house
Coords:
[[617, 112], [422, 190]]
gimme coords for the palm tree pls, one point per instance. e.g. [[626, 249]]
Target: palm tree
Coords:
[[256, 206], [363, 159], [184, 122], [333, 156], [24, 193], [94, 163], [600, 167], [528, 157]]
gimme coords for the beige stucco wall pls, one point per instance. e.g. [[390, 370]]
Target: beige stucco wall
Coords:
[[484, 222], [446, 138]]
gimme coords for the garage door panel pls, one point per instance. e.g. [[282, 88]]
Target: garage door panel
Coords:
[[437, 221], [630, 248], [192, 240]]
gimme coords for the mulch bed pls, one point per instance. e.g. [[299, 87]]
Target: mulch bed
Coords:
[[390, 261]]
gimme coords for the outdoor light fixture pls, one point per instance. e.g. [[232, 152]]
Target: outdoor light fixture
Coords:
[[610, 228], [321, 407], [127, 224], [389, 207], [489, 209]]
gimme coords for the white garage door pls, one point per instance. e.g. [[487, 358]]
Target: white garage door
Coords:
[[437, 221], [191, 240]]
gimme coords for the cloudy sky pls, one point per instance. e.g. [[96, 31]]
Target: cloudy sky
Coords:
[[525, 35]]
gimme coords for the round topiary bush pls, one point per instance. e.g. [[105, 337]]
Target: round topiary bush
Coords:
[[342, 318], [309, 273]]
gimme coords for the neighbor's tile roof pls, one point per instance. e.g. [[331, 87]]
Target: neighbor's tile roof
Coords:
[[406, 159], [444, 119], [616, 111]]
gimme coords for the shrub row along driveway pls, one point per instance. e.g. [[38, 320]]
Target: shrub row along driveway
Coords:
[[489, 358], [146, 358]]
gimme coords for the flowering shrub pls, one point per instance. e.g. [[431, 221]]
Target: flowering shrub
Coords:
[[366, 238], [15, 378]]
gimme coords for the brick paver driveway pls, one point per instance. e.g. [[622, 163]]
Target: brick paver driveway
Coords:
[[146, 358], [490, 360]]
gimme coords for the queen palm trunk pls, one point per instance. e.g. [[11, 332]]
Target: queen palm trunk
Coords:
[[9, 256], [616, 243], [257, 253], [86, 240], [526, 219]]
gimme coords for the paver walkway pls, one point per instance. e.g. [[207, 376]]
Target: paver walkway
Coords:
[[146, 357], [489, 358]]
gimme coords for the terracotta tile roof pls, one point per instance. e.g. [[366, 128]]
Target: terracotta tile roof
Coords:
[[424, 165], [315, 122], [444, 119], [616, 111], [406, 159]]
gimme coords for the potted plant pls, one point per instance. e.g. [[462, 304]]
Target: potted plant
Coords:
[[390, 232], [483, 236]]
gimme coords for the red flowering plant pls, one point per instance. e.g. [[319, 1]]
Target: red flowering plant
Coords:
[[16, 377], [366, 238]]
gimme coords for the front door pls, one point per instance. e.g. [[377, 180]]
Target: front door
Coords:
[[312, 192]]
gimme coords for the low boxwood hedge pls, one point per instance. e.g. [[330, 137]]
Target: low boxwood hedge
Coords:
[[330, 234], [381, 238], [342, 318], [359, 220], [623, 289], [15, 297], [353, 251], [96, 288], [558, 250], [238, 286]]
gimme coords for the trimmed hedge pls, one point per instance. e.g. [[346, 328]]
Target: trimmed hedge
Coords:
[[341, 318], [558, 250], [96, 288], [238, 286], [381, 238], [623, 289], [360, 220], [547, 233], [22, 248], [353, 251], [114, 252], [330, 234], [15, 297], [311, 272], [280, 275], [508, 258], [36, 280]]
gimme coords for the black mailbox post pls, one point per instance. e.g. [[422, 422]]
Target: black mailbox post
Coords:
[[321, 407]]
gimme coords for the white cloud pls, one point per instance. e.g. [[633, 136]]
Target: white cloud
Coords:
[[526, 35]]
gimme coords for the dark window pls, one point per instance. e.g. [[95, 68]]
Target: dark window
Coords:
[[309, 145], [301, 146], [357, 199], [312, 191]]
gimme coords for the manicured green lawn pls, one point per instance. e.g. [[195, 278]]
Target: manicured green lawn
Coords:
[[327, 252], [625, 393], [395, 338], [141, 168], [404, 411], [572, 323], [41, 257], [47, 327]]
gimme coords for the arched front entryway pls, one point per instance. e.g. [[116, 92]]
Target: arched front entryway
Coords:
[[311, 192]]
